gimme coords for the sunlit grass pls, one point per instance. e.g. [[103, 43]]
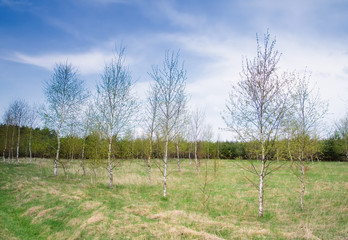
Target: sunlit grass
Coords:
[[36, 205]]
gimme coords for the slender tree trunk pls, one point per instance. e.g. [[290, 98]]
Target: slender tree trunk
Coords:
[[83, 156], [218, 150], [18, 140], [218, 155], [109, 163], [262, 175], [57, 155], [72, 148], [65, 170], [12, 143], [149, 163], [149, 170], [10, 149], [261, 190], [178, 156], [302, 183], [346, 148], [289, 150], [165, 160], [302, 172], [215, 165], [196, 159], [189, 156], [5, 145], [30, 153]]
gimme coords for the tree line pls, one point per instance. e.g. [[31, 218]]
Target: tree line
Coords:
[[42, 144], [273, 115]]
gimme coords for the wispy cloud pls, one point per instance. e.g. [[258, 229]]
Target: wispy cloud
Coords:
[[88, 62], [180, 18]]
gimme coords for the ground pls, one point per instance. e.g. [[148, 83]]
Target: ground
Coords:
[[36, 205]]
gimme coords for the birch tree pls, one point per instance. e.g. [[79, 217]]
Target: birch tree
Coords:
[[151, 115], [179, 132], [207, 136], [115, 103], [256, 106], [308, 110], [65, 93], [86, 126], [8, 121], [19, 110], [342, 129], [170, 80], [32, 118], [198, 117]]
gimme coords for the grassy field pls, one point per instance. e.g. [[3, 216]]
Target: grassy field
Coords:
[[36, 205]]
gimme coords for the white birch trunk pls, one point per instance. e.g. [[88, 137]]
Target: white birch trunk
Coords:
[[196, 160], [83, 156], [261, 191], [165, 160], [149, 162], [11, 148], [262, 175], [303, 184], [18, 140], [57, 156]]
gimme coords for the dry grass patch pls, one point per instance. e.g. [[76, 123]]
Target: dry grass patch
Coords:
[[45, 214], [7, 186], [32, 211], [166, 231], [181, 231], [97, 217], [89, 205], [134, 229], [168, 215], [346, 185], [142, 210], [251, 232], [74, 222], [57, 192]]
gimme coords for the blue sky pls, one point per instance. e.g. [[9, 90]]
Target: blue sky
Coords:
[[213, 37]]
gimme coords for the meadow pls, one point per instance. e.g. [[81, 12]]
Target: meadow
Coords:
[[36, 205]]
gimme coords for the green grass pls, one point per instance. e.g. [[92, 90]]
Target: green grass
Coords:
[[36, 205]]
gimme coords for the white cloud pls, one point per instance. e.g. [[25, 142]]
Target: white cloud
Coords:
[[87, 63]]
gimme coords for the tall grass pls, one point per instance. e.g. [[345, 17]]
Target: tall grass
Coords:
[[36, 205]]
